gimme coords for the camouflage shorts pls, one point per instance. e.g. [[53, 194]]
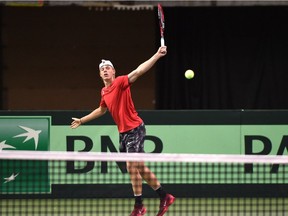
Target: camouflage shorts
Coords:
[[133, 140]]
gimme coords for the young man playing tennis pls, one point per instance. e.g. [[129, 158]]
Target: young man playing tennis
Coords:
[[116, 97]]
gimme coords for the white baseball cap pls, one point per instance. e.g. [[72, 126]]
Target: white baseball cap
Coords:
[[105, 62]]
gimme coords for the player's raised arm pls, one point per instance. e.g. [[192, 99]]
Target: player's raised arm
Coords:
[[94, 114], [145, 66]]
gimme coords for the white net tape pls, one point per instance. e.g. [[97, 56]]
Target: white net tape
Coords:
[[152, 157]]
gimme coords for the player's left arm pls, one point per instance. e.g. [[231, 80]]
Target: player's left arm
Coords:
[[145, 66]]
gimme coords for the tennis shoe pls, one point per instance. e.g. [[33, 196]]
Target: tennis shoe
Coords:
[[138, 210], [165, 203]]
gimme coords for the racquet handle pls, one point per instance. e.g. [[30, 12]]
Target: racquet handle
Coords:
[[162, 41]]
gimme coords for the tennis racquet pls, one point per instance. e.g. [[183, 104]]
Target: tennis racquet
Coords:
[[161, 23]]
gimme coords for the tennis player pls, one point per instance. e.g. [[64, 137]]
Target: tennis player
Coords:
[[116, 97]]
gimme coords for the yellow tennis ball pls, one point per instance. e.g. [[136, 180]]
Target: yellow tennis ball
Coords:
[[189, 74]]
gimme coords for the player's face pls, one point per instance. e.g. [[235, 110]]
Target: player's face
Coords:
[[107, 72]]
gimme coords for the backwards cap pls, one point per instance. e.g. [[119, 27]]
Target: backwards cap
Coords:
[[105, 62]]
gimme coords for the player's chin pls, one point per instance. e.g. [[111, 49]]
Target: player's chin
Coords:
[[106, 78]]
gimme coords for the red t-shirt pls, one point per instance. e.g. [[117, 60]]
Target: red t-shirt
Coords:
[[117, 98]]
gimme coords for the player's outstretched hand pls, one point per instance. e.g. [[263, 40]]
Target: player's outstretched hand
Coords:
[[75, 123], [162, 50]]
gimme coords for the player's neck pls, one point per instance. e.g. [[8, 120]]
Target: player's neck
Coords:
[[108, 82]]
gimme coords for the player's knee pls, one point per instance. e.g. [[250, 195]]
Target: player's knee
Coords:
[[132, 167]]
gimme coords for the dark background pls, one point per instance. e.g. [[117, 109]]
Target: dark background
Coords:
[[239, 55], [50, 56]]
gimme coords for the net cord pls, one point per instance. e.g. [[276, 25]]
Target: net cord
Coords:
[[146, 157]]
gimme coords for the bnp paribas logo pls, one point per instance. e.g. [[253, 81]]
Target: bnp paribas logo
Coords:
[[24, 133]]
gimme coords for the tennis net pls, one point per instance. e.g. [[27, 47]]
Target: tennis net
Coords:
[[81, 183]]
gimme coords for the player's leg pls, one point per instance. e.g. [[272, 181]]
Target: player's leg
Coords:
[[136, 181], [133, 141], [148, 176], [165, 199], [136, 178]]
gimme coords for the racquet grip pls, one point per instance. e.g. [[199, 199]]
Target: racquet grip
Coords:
[[162, 41]]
